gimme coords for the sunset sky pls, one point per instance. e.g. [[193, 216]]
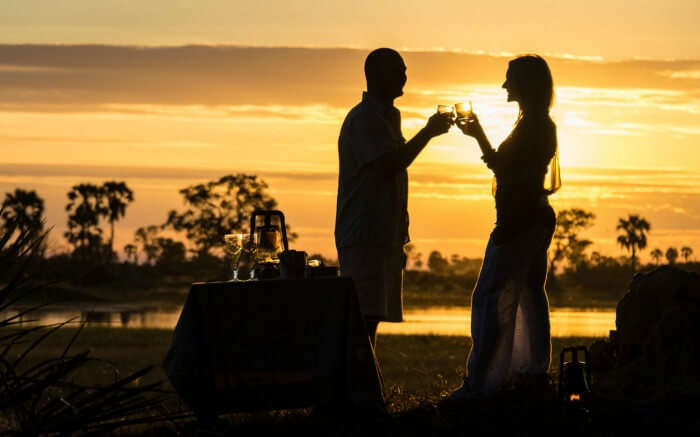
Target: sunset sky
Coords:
[[163, 95]]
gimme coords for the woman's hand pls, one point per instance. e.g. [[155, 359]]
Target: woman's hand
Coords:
[[470, 126]]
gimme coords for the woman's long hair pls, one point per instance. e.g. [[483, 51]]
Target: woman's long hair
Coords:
[[534, 80], [536, 87]]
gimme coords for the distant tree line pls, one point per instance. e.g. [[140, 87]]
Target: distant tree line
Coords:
[[568, 248], [211, 210], [215, 208]]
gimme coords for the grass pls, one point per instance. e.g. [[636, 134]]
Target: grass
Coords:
[[415, 368], [418, 372]]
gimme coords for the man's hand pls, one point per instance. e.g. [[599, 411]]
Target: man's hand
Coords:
[[438, 124]]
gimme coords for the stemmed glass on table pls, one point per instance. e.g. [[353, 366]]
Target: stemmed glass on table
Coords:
[[233, 246], [241, 251]]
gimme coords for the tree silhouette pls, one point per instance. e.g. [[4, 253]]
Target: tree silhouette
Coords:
[[23, 211], [436, 263], [634, 237], [566, 243], [418, 261], [686, 252], [600, 260], [131, 252], [117, 196], [170, 253], [656, 254], [219, 207], [85, 206], [147, 236], [672, 255], [413, 258]]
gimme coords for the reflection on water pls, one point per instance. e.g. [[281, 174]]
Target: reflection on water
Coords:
[[103, 316], [565, 322]]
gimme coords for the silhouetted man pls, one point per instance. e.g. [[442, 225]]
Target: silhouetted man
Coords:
[[371, 225]]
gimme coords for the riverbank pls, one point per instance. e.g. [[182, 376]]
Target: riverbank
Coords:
[[173, 295]]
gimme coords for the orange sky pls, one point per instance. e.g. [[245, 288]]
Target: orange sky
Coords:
[[614, 29], [628, 134], [165, 117]]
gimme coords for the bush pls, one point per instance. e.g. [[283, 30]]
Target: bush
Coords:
[[40, 396]]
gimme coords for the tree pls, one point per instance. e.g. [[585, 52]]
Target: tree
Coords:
[[634, 237], [418, 261], [23, 211], [117, 196], [600, 260], [672, 255], [147, 236], [656, 254], [131, 252], [461, 265], [220, 207], [413, 258], [324, 260], [566, 242], [170, 253], [686, 252], [436, 263], [85, 206]]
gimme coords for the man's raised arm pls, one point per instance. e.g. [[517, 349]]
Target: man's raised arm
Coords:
[[403, 157]]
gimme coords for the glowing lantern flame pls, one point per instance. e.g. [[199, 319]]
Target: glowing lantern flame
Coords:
[[574, 397]]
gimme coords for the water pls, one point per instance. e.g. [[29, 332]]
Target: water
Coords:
[[565, 322]]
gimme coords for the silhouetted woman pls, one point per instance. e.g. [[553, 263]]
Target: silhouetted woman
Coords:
[[510, 312]]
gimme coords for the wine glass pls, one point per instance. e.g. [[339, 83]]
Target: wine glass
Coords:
[[234, 247], [248, 258]]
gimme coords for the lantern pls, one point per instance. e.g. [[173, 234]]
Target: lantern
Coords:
[[574, 375]]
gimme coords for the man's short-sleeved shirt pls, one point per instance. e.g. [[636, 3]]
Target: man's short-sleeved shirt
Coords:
[[371, 209]]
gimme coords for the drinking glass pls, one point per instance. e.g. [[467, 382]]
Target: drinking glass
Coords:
[[248, 258], [446, 109], [234, 247], [463, 113]]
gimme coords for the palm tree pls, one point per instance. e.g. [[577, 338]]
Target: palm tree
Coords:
[[634, 237], [23, 210], [85, 206], [656, 254], [118, 196], [686, 252], [672, 255], [131, 253], [147, 236]]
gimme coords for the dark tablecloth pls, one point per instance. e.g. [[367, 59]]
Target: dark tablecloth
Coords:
[[246, 346]]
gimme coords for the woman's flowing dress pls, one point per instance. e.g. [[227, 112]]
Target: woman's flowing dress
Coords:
[[510, 312]]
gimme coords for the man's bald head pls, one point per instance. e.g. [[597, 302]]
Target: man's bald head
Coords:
[[385, 72]]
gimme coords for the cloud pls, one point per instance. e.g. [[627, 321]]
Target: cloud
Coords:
[[179, 173], [64, 78], [684, 74]]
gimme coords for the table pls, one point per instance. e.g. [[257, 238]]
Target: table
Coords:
[[275, 344]]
